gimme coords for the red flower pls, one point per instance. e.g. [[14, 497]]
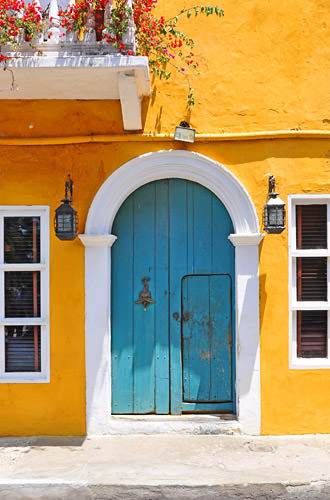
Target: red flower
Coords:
[[3, 58]]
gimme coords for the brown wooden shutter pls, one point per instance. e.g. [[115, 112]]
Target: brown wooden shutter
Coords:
[[312, 334], [22, 345], [312, 278], [22, 294], [311, 226]]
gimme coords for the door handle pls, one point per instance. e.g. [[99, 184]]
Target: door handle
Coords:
[[145, 295]]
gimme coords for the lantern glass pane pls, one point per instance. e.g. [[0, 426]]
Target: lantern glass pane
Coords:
[[280, 216], [265, 215], [65, 223], [272, 216]]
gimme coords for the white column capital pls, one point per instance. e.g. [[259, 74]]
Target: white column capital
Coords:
[[246, 239], [97, 240]]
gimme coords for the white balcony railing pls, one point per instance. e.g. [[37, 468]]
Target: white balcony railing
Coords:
[[55, 37], [59, 66]]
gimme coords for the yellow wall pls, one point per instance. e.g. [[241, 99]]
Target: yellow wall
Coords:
[[262, 68]]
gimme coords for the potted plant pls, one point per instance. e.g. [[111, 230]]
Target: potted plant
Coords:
[[74, 18], [99, 11], [117, 24], [20, 22]]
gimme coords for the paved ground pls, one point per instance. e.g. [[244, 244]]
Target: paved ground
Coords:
[[166, 467]]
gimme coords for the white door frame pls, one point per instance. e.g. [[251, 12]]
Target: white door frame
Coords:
[[98, 241]]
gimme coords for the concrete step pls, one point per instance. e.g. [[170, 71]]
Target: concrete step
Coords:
[[166, 466], [276, 491]]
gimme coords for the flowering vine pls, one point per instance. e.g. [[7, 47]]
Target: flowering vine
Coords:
[[18, 22], [166, 46]]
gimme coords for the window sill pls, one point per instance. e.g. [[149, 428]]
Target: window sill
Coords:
[[24, 378], [310, 364]]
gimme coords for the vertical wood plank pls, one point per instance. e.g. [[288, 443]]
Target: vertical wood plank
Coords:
[[144, 320], [178, 268], [202, 229], [197, 345], [122, 311], [190, 229], [185, 339], [223, 255], [161, 325], [221, 338]]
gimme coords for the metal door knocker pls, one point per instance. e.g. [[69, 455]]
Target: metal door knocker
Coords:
[[145, 295]]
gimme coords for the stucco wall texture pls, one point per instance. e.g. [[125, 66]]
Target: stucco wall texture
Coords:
[[262, 67]]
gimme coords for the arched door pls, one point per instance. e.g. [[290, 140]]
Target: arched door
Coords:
[[172, 302]]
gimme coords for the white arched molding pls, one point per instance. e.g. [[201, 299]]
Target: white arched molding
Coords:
[[171, 164], [98, 240]]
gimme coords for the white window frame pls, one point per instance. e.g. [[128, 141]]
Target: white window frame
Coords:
[[294, 305], [43, 321]]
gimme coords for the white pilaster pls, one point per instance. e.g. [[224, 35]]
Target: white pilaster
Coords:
[[247, 330], [97, 330]]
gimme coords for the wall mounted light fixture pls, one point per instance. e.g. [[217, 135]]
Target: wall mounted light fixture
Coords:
[[184, 133], [66, 218], [274, 211]]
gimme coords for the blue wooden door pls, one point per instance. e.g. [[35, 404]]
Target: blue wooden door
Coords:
[[174, 352]]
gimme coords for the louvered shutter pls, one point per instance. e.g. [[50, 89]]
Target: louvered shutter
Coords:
[[312, 336], [22, 349], [22, 294], [311, 226], [312, 278]]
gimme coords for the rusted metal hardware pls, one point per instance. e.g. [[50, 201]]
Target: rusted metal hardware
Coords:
[[145, 295], [68, 188], [271, 185]]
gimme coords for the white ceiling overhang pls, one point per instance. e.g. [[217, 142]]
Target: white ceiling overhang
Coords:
[[61, 74]]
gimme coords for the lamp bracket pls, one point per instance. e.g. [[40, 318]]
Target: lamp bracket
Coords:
[[68, 188]]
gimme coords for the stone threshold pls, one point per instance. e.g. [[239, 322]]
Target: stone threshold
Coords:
[[174, 424]]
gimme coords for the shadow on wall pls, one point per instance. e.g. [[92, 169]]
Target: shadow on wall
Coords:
[[263, 297], [262, 288]]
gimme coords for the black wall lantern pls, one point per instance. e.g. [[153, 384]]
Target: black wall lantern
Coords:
[[66, 218], [274, 211]]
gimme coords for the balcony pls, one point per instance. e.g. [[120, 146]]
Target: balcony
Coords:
[[59, 66]]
